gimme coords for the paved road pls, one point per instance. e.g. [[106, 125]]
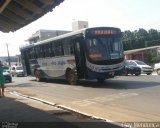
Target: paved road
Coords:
[[126, 98], [23, 112]]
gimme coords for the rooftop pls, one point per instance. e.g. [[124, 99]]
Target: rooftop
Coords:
[[15, 14]]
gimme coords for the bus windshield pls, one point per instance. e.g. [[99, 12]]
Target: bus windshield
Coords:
[[100, 49]]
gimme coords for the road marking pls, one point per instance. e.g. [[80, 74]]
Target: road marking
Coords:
[[103, 99]]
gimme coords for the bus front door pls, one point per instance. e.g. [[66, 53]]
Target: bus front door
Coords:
[[80, 58]]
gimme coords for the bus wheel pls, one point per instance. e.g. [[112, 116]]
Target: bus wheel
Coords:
[[100, 80], [71, 77], [37, 75]]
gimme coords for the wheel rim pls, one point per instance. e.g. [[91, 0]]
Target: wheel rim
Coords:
[[37, 75], [71, 77]]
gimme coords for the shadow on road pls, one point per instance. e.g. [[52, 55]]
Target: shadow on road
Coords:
[[109, 83], [12, 110], [22, 115], [127, 82]]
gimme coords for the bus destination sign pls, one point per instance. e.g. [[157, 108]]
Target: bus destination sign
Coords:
[[104, 32]]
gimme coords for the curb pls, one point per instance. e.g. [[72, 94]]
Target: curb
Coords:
[[63, 107]]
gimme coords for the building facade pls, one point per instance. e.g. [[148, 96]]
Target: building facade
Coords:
[[142, 54], [44, 34]]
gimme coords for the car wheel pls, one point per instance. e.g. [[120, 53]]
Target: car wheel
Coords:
[[137, 74], [158, 71]]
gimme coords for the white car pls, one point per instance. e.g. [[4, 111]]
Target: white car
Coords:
[[17, 71], [157, 68], [145, 69]]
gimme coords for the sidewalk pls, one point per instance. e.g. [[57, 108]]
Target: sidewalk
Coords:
[[18, 109], [20, 112]]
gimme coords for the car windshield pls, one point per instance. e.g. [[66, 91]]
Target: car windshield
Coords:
[[127, 63], [19, 68], [140, 62], [104, 48]]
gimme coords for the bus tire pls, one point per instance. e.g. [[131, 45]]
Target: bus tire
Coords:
[[71, 77], [38, 76], [100, 80]]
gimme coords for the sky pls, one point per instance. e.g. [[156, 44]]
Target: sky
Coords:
[[124, 14]]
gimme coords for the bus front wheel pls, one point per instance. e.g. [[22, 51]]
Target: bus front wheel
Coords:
[[38, 76], [71, 77]]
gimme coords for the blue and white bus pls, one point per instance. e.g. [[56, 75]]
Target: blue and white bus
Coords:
[[90, 53]]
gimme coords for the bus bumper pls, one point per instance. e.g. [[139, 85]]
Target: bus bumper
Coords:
[[105, 75]]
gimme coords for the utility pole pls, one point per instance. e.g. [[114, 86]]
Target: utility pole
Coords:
[[9, 61]]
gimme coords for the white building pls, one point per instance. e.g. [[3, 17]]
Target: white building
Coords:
[[76, 25]]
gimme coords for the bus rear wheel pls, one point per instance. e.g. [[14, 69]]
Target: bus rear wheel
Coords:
[[71, 77], [38, 76]]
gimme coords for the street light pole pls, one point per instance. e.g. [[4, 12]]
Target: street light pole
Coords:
[[9, 61]]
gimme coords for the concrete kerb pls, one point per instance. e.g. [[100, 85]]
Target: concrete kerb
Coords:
[[65, 108]]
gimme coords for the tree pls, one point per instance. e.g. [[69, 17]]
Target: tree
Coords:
[[128, 38], [137, 39], [152, 58]]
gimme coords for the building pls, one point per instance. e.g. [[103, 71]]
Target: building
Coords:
[[142, 53], [13, 60], [44, 34], [76, 25]]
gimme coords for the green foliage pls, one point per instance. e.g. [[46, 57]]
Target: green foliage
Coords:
[[138, 38], [152, 58]]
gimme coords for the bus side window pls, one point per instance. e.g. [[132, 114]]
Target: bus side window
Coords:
[[58, 48], [36, 52], [67, 47], [41, 51], [53, 50], [31, 53], [72, 48], [46, 50], [50, 50]]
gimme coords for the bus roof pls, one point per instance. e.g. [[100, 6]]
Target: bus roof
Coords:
[[61, 36], [81, 31]]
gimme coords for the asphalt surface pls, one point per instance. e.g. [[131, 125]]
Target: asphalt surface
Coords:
[[122, 99], [22, 112]]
